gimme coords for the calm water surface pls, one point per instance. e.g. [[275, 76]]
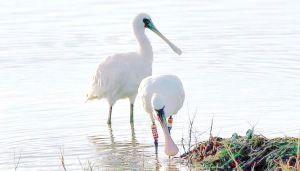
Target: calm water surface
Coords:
[[240, 64]]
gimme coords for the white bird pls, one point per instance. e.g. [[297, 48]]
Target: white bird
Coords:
[[162, 97], [118, 76]]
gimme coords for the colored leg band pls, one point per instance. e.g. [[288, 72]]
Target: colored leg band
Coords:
[[154, 132], [170, 121]]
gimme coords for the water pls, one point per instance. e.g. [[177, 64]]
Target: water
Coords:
[[240, 65]]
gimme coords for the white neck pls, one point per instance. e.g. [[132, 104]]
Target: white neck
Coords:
[[145, 45]]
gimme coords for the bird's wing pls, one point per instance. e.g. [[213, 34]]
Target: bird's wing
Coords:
[[110, 77]]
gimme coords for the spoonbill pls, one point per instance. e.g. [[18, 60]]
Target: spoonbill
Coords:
[[118, 76], [162, 97]]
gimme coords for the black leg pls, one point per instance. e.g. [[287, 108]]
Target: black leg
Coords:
[[131, 113], [109, 116]]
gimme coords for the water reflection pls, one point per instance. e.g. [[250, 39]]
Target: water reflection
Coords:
[[172, 165], [169, 164], [112, 138], [119, 152], [127, 154], [133, 138]]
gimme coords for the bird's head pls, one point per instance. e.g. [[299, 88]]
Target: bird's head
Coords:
[[157, 104], [157, 101], [143, 21], [159, 109]]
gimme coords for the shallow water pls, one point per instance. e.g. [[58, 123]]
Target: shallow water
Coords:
[[240, 65]]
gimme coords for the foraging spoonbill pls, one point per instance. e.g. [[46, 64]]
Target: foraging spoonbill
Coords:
[[118, 76], [162, 97]]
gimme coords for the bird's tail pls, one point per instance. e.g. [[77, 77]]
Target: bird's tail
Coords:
[[91, 95], [95, 89], [90, 98]]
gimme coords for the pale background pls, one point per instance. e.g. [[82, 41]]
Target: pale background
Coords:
[[240, 64]]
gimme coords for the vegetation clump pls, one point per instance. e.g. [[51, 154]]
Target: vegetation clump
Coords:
[[247, 153]]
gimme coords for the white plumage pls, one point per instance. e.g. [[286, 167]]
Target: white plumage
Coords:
[[169, 90], [118, 76], [162, 97]]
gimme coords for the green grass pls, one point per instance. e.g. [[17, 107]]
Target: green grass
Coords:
[[251, 152]]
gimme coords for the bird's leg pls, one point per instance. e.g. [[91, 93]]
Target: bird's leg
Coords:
[[109, 116], [131, 113], [170, 121], [155, 136]]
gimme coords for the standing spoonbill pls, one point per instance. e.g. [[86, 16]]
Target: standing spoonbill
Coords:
[[162, 97], [118, 76]]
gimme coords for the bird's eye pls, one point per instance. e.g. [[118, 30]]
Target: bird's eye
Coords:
[[146, 22]]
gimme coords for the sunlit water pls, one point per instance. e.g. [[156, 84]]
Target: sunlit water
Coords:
[[240, 65]]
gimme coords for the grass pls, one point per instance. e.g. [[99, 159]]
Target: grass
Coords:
[[88, 166], [242, 153], [286, 166], [17, 162], [250, 152], [62, 159], [233, 158]]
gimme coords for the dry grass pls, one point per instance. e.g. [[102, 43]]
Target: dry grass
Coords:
[[285, 166], [62, 159], [17, 162], [232, 156], [88, 166]]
